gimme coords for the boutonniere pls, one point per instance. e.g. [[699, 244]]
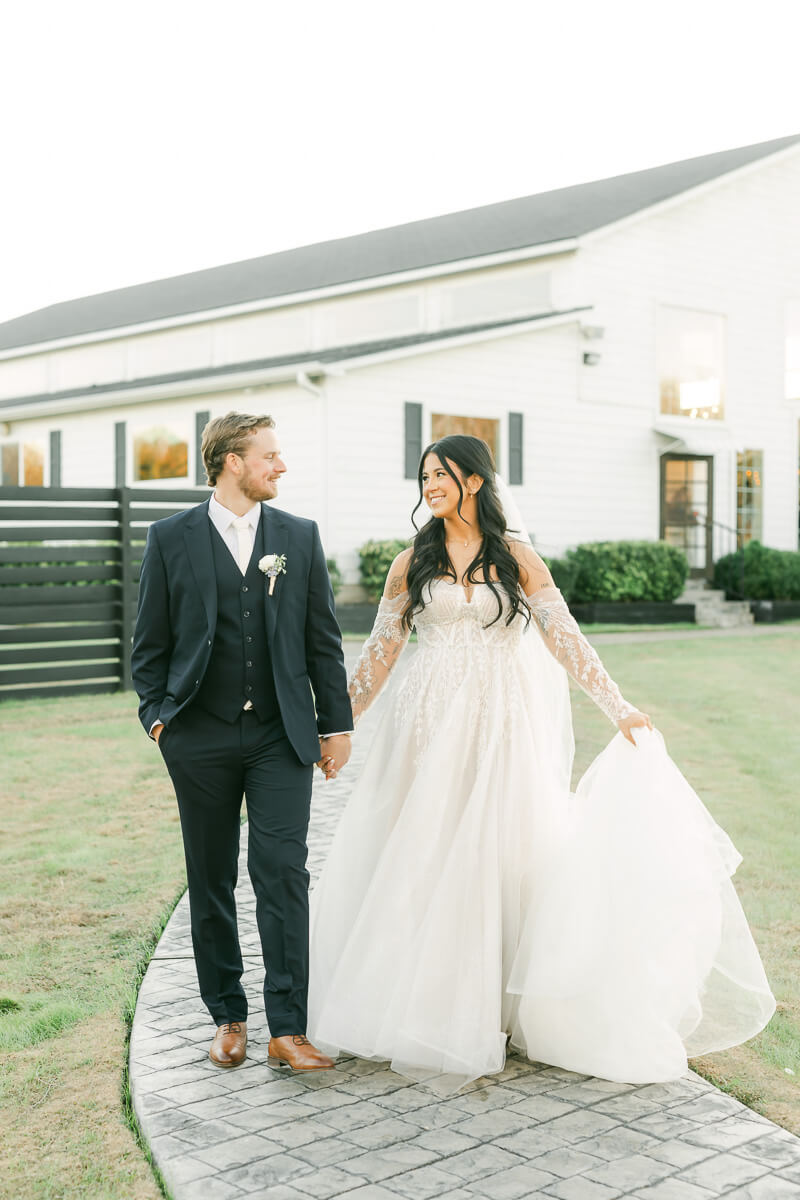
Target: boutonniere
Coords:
[[272, 565]]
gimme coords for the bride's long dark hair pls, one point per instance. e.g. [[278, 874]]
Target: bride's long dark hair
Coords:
[[429, 557]]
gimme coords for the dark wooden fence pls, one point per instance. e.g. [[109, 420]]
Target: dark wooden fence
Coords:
[[69, 577]]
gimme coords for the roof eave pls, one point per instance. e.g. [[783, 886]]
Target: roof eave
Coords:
[[290, 299], [198, 385], [486, 335]]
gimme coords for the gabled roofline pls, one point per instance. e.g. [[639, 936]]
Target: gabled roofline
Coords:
[[692, 193], [270, 372], [161, 325], [526, 227]]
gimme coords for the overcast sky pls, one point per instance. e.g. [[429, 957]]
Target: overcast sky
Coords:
[[141, 140]]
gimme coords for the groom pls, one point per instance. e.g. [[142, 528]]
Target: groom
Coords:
[[235, 628]]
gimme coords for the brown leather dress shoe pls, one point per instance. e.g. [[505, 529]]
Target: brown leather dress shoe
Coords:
[[294, 1052], [229, 1047]]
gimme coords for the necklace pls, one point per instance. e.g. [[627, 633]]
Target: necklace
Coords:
[[469, 542]]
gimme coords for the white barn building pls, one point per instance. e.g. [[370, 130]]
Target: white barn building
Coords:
[[630, 347]]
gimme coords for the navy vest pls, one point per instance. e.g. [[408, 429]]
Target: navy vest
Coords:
[[240, 667]]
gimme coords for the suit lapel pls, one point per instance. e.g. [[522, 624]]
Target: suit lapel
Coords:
[[274, 539], [197, 537]]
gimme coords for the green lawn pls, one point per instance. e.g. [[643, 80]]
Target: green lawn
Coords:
[[90, 865], [91, 862]]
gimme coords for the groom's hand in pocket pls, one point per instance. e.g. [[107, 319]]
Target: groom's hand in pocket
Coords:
[[335, 751]]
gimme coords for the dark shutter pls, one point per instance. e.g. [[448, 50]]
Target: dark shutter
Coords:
[[201, 419], [55, 458], [413, 439], [120, 449], [515, 447]]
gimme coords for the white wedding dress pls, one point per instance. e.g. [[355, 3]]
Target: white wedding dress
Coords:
[[469, 896]]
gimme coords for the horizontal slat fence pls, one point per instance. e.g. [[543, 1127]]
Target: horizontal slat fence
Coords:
[[69, 574]]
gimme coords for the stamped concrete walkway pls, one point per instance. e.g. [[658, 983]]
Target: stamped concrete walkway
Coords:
[[363, 1132]]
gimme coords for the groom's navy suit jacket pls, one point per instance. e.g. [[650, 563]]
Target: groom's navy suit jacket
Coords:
[[178, 612]]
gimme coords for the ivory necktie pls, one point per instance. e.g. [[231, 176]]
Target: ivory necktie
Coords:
[[244, 546]]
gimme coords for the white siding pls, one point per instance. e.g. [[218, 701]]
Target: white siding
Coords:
[[733, 250], [576, 483], [591, 455]]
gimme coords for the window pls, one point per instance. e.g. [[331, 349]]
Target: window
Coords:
[[21, 464], [160, 453], [486, 428], [691, 350], [749, 493], [512, 292], [687, 490]]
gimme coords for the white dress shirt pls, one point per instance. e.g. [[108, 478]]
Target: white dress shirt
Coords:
[[222, 518]]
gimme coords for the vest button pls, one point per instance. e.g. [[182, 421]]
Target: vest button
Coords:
[[246, 612], [249, 687], [209, 641], [249, 638], [249, 662], [245, 588]]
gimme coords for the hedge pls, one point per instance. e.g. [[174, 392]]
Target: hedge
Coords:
[[375, 560], [598, 571], [335, 574], [768, 574], [620, 571]]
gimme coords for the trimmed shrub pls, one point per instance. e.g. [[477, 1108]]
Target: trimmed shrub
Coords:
[[768, 574], [375, 560], [620, 571], [565, 573], [335, 574]]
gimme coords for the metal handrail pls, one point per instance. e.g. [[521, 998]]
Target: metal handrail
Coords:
[[710, 525]]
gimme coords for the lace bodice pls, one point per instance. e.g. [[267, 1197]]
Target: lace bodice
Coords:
[[453, 621]]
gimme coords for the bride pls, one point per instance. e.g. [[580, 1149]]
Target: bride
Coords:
[[469, 899]]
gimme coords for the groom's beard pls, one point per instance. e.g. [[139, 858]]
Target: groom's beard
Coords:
[[258, 491]]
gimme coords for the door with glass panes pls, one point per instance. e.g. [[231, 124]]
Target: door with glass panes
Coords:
[[686, 508]]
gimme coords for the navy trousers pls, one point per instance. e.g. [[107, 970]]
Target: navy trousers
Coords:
[[213, 765]]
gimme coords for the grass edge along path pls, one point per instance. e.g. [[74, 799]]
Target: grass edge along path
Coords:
[[148, 949]]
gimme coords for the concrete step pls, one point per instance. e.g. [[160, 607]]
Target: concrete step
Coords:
[[696, 589], [721, 614]]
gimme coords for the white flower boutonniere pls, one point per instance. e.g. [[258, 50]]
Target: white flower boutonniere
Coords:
[[272, 565]]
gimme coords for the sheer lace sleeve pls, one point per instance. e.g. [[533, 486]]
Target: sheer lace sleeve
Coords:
[[380, 652], [566, 643]]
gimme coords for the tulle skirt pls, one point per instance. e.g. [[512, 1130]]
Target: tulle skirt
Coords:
[[469, 898]]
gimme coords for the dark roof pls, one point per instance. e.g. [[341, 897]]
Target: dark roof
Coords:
[[332, 355], [494, 228]]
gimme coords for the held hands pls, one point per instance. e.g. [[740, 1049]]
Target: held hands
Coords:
[[632, 721], [335, 751]]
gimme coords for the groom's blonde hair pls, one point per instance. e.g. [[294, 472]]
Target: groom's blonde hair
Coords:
[[228, 435]]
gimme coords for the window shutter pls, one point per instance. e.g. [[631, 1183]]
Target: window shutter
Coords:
[[55, 458], [515, 447], [201, 419], [120, 450], [413, 439]]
